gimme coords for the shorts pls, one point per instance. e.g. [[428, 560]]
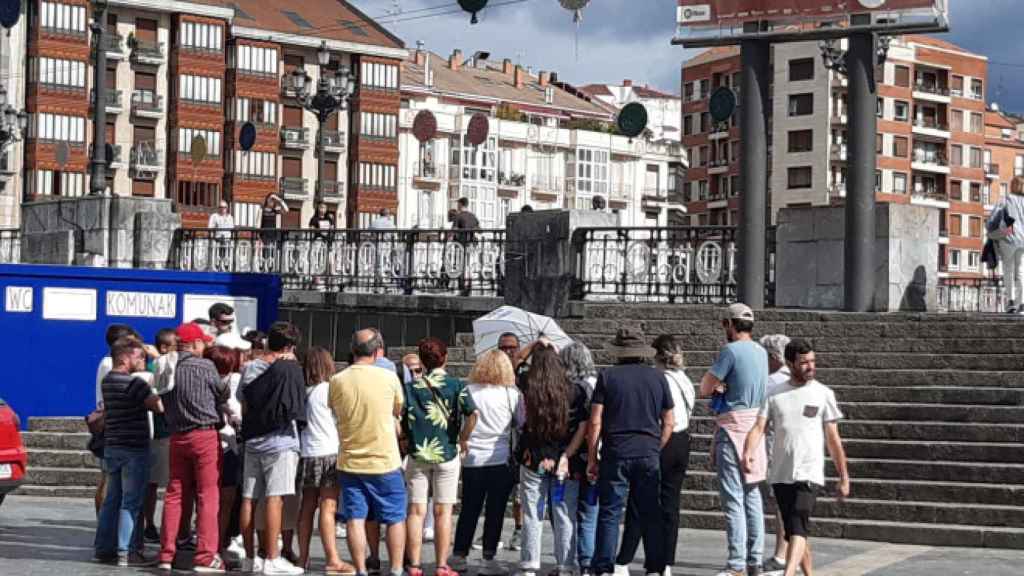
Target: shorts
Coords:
[[269, 474], [796, 503], [159, 461], [442, 478], [230, 469], [318, 472], [379, 497], [766, 491]]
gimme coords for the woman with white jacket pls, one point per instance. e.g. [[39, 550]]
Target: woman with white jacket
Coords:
[[1006, 227]]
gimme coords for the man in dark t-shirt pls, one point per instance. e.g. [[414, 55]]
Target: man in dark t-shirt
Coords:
[[126, 399], [631, 416]]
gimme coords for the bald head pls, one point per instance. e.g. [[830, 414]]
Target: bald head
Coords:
[[367, 343]]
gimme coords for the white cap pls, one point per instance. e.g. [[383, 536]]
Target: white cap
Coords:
[[233, 340]]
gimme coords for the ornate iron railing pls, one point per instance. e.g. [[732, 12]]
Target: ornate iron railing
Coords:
[[470, 263], [10, 246], [971, 295], [682, 265]]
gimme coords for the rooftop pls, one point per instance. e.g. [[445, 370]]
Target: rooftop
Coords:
[[713, 55]]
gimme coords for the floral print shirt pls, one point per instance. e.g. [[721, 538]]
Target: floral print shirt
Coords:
[[435, 407]]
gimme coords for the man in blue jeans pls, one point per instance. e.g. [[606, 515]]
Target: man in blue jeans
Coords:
[[126, 400], [631, 415]]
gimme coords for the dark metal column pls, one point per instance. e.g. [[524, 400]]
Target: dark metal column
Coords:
[[318, 194], [98, 163], [859, 257], [754, 169]]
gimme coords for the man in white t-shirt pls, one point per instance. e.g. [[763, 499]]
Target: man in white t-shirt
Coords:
[[804, 415], [775, 346]]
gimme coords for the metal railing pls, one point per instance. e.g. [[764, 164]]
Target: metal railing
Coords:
[[113, 96], [334, 139], [330, 188], [428, 170], [511, 179], [147, 50], [991, 169], [470, 263], [147, 101], [679, 265], [932, 123], [971, 295], [549, 184], [928, 88], [10, 246], [112, 43], [117, 159], [295, 136], [620, 190], [294, 186], [934, 158]]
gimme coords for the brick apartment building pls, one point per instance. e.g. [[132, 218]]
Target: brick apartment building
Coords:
[[931, 143], [178, 69]]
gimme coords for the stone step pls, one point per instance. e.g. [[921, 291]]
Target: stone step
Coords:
[[950, 395], [56, 491], [51, 458], [901, 430], [859, 411], [57, 424], [43, 476], [55, 440]]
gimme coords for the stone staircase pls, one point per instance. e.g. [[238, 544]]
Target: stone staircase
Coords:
[[934, 427]]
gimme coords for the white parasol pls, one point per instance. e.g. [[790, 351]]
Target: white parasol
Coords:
[[527, 326]]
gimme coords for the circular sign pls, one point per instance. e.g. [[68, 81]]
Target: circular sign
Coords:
[[722, 104], [198, 149], [247, 136], [10, 11], [479, 128], [632, 120], [424, 126], [62, 152]]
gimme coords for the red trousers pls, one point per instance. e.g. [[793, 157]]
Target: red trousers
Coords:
[[195, 460]]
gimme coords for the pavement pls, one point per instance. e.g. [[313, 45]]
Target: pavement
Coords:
[[48, 536]]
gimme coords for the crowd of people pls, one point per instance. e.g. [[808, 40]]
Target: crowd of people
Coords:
[[253, 435]]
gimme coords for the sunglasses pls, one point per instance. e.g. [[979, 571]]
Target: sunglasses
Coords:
[[417, 370]]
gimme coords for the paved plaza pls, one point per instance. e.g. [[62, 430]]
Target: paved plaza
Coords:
[[47, 536]]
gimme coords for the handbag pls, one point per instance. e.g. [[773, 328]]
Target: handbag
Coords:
[[95, 421]]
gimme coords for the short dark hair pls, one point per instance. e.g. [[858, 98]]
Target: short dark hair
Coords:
[[433, 353], [741, 325], [526, 208], [164, 334], [225, 359], [257, 339], [464, 202], [202, 321], [796, 348], [508, 335], [124, 346], [282, 335], [117, 331], [220, 309], [366, 348]]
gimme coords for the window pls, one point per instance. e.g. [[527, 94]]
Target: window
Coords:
[[801, 104], [900, 146], [1018, 166], [55, 183], [255, 111], [802, 69], [57, 72], [705, 88], [591, 171], [880, 107], [57, 18], [956, 190], [879, 144], [57, 127], [702, 190], [977, 123], [977, 89], [901, 111], [374, 125], [977, 157], [954, 256], [974, 226], [687, 125], [198, 194], [878, 180], [256, 60], [899, 183], [956, 120], [956, 155], [381, 176], [801, 140], [799, 177], [955, 225], [973, 260], [380, 76], [246, 215], [258, 164], [975, 192], [199, 36], [186, 135], [688, 91], [902, 78], [705, 122], [199, 89], [957, 88]]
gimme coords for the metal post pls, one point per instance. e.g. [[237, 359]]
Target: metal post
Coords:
[[754, 169], [859, 262], [98, 162], [320, 144]]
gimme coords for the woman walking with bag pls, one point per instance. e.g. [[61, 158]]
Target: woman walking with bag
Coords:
[[1009, 239], [487, 475]]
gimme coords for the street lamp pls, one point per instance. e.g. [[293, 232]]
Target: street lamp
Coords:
[[12, 122], [98, 162], [332, 94]]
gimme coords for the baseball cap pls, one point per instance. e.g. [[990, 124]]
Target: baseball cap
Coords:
[[739, 311], [233, 340], [191, 332]]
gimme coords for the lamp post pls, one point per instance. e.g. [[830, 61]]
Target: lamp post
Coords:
[[332, 94], [12, 122], [98, 162]]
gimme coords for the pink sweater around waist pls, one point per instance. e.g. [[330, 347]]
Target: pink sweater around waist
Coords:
[[737, 424]]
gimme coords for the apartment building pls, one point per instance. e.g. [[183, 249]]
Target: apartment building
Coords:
[[549, 145], [664, 110], [181, 69]]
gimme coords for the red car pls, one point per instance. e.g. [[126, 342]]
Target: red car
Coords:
[[13, 457]]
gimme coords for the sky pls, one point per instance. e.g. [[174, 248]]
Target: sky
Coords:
[[629, 39]]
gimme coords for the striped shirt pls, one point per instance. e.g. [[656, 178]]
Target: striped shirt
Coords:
[[126, 416], [199, 396]]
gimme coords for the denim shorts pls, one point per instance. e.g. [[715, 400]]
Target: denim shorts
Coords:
[[379, 497]]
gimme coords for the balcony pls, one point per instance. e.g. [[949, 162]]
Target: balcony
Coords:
[[991, 171], [146, 104], [145, 161], [839, 117], [718, 166], [117, 161], [719, 131], [296, 138], [620, 191], [294, 187], [838, 152], [331, 190], [837, 190], [114, 104], [929, 196], [546, 188], [147, 52], [511, 180], [931, 91], [113, 45], [926, 161], [334, 141], [932, 127]]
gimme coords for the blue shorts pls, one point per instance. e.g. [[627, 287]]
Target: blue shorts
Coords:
[[379, 497]]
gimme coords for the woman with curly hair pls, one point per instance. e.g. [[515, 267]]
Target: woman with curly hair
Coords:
[[553, 416]]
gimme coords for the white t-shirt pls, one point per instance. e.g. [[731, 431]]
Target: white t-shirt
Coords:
[[489, 442], [799, 415], [775, 381], [320, 436], [228, 438], [106, 365], [683, 397]]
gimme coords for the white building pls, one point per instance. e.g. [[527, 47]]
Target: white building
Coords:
[[665, 111], [548, 146]]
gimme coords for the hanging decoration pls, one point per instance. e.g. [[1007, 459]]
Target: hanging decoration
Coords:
[[473, 6], [478, 129], [424, 126], [577, 7]]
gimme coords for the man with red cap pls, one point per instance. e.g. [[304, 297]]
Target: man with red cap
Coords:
[[193, 411]]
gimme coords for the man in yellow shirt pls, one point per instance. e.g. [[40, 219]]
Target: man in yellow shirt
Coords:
[[367, 401]]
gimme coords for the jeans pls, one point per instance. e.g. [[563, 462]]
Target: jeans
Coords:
[[195, 468], [536, 492], [741, 503], [615, 478], [127, 473], [675, 457], [487, 484], [586, 526], [1013, 271]]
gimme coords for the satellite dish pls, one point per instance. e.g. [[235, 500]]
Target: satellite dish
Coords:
[[632, 120], [478, 130], [198, 149], [10, 12], [61, 153], [247, 136], [473, 6]]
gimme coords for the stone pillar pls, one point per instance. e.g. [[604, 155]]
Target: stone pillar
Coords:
[[810, 266], [540, 263]]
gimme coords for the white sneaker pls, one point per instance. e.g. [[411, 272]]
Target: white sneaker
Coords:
[[236, 549], [667, 572], [621, 570], [252, 565], [281, 567], [340, 531], [428, 534]]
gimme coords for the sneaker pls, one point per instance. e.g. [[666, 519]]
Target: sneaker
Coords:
[[458, 563], [773, 567], [491, 568], [444, 570], [236, 549], [340, 531], [428, 534], [621, 570], [516, 542], [1011, 308], [105, 558], [214, 566], [133, 559], [164, 566], [151, 535], [730, 572], [667, 571], [373, 565], [479, 544], [281, 567], [252, 565]]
